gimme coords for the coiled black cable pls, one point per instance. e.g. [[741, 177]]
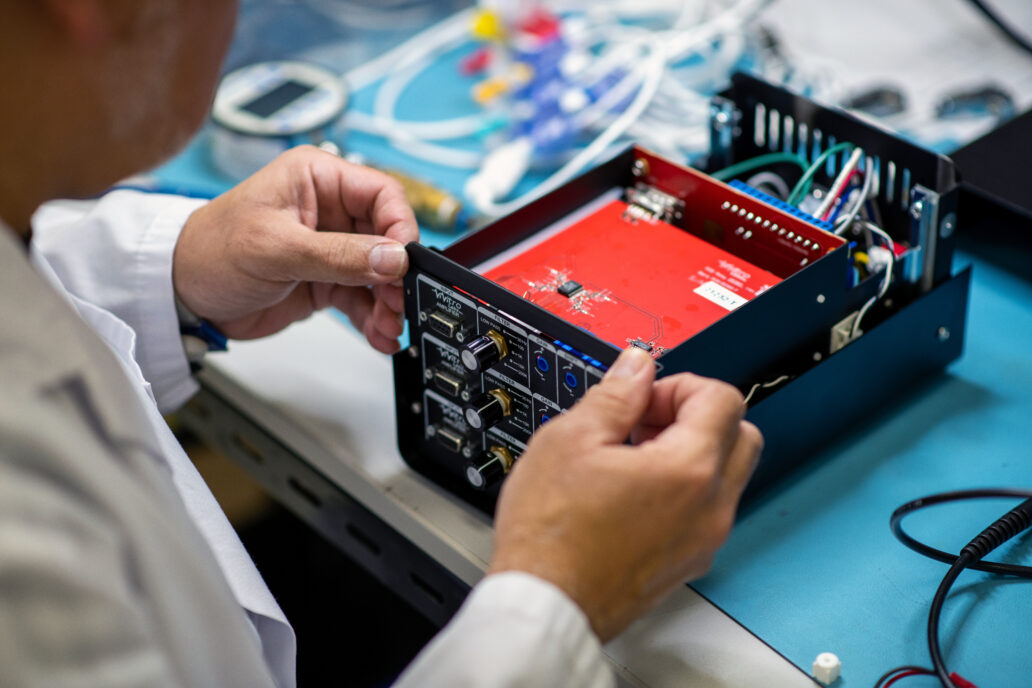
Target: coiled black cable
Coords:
[[1005, 528], [994, 17]]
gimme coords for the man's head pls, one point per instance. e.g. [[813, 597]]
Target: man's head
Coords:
[[99, 89]]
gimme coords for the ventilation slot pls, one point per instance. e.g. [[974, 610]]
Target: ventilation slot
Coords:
[[788, 140], [759, 125]]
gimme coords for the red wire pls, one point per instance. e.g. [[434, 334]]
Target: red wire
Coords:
[[904, 674], [845, 188]]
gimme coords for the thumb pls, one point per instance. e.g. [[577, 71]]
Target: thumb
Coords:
[[613, 407], [346, 259]]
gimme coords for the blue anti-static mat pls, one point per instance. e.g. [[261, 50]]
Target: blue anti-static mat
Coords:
[[813, 566]]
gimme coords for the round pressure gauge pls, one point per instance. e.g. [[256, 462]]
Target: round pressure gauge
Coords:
[[263, 109]]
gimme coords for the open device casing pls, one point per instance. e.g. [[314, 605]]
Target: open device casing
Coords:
[[786, 332]]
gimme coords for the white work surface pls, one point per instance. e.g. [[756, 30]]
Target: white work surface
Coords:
[[320, 390]]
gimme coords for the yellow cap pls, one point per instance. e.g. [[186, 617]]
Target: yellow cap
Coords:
[[488, 26], [490, 89]]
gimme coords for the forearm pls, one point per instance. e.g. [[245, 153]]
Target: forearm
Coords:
[[514, 630]]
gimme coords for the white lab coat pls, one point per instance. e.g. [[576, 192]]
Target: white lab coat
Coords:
[[114, 259]]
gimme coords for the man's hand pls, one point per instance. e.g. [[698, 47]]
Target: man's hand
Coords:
[[618, 527], [306, 232]]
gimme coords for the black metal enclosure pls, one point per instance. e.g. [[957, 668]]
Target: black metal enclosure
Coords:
[[908, 336]]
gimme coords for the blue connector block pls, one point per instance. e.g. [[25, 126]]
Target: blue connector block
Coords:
[[739, 185]]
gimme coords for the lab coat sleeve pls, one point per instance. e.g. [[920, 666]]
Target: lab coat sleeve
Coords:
[[116, 253], [513, 630]]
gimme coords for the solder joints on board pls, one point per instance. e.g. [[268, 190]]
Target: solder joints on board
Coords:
[[580, 297]]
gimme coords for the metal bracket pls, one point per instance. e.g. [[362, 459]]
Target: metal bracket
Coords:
[[924, 233], [724, 118]]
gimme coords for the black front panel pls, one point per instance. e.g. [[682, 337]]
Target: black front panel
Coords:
[[539, 377]]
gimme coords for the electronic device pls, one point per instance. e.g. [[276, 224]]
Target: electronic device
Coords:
[[263, 109], [820, 322]]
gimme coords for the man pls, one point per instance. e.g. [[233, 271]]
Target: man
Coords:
[[116, 566]]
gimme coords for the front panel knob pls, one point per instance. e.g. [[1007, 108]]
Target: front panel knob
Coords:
[[489, 409], [490, 468], [484, 351]]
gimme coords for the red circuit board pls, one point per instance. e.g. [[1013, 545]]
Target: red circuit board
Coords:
[[640, 280]]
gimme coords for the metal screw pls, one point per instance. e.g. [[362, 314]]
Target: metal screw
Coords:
[[817, 356], [943, 334], [416, 407], [464, 395], [721, 119], [413, 352], [641, 167], [431, 431], [948, 224], [916, 210], [427, 375], [467, 452], [422, 316], [820, 298]]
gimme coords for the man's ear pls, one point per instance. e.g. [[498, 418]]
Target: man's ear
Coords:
[[83, 24]]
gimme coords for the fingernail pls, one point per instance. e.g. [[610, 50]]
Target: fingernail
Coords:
[[388, 259], [631, 362]]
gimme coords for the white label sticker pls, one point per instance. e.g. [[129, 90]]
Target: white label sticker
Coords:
[[725, 298]]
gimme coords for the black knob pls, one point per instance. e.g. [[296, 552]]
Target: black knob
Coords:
[[489, 409], [484, 351], [490, 468]]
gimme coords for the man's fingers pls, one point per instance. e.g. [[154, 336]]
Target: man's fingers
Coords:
[[743, 459], [691, 394], [687, 410], [351, 195], [393, 295], [387, 322], [695, 403], [610, 409], [355, 302], [335, 258]]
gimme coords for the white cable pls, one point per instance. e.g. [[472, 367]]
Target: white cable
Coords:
[[764, 385], [404, 63], [839, 184], [846, 221], [426, 41], [885, 280], [656, 62], [776, 181], [660, 53], [455, 128], [735, 16]]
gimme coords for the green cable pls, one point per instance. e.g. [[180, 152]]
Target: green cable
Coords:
[[802, 187], [759, 161]]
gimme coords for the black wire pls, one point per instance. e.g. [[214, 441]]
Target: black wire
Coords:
[[1003, 529], [933, 621], [994, 17], [988, 566]]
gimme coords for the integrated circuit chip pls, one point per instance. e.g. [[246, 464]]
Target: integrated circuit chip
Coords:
[[569, 288]]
